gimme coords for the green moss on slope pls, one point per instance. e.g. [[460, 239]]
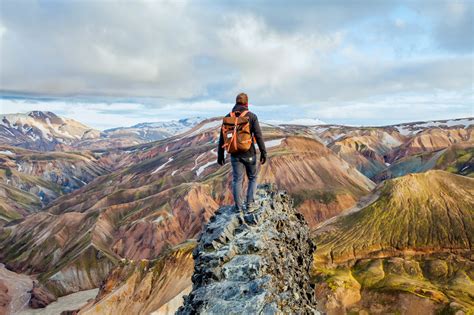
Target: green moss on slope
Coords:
[[433, 210], [415, 239], [457, 160]]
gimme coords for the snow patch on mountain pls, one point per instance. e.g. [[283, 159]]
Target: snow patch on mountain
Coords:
[[390, 141], [213, 124], [416, 127], [42, 130], [152, 131], [203, 167], [273, 143], [7, 152], [196, 161], [163, 166]]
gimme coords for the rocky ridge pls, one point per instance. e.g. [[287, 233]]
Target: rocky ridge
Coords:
[[253, 263]]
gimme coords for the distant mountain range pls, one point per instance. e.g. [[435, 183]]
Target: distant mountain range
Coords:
[[301, 121], [45, 131], [148, 132]]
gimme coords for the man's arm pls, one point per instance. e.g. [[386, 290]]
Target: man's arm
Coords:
[[257, 132], [220, 150]]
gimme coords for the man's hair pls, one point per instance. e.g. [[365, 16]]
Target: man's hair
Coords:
[[242, 99]]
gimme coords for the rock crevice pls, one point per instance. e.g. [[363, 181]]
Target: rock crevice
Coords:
[[254, 263]]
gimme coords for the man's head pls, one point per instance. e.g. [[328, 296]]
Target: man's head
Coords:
[[242, 99]]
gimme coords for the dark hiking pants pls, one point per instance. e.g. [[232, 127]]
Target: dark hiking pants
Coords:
[[239, 166]]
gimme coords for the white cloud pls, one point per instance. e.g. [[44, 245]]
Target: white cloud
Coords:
[[400, 23], [187, 57], [369, 111], [269, 61], [399, 108], [2, 31]]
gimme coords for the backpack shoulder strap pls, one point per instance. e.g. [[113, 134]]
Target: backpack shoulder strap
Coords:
[[241, 114]]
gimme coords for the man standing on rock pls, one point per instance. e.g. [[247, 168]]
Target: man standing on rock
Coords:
[[240, 130]]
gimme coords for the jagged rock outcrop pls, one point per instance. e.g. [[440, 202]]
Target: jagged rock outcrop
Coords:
[[40, 296], [255, 263]]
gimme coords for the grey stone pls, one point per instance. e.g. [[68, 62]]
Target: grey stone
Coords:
[[254, 263], [242, 268]]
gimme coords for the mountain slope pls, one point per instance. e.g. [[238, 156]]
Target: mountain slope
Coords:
[[391, 151], [43, 131], [420, 212], [434, 139], [16, 203], [146, 286], [64, 250], [412, 246], [322, 184], [457, 159], [367, 148], [30, 179]]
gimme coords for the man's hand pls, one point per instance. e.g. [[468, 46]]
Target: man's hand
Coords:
[[221, 159], [263, 158]]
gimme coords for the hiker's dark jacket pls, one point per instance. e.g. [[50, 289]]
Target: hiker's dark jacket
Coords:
[[254, 130]]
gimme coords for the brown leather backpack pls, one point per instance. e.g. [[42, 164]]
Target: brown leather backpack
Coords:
[[236, 132]]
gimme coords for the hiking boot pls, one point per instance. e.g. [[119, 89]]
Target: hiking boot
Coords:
[[237, 209], [251, 207]]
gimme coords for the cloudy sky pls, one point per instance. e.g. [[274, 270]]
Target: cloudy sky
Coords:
[[116, 62]]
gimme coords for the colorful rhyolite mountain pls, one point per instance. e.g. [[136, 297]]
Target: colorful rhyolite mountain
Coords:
[[159, 195], [29, 180], [141, 200]]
